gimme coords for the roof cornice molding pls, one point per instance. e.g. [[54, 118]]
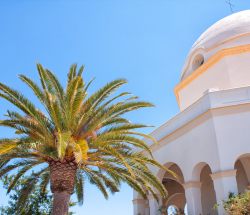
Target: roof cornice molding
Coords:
[[210, 62], [210, 101], [198, 49]]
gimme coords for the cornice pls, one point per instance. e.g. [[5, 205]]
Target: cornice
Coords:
[[201, 111], [199, 48], [210, 62]]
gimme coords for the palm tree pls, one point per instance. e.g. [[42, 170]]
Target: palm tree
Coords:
[[73, 137]]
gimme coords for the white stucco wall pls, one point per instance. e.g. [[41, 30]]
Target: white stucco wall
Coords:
[[214, 130], [230, 72], [213, 125]]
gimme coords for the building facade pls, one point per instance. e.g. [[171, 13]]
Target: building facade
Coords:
[[208, 143]]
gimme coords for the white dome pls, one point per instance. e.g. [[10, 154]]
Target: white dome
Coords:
[[230, 26], [223, 30]]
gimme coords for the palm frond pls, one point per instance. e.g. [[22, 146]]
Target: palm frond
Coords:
[[79, 187], [20, 173], [7, 145], [30, 184], [88, 133]]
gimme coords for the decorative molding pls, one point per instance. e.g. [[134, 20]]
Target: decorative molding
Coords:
[[138, 201], [223, 174], [192, 184], [196, 49], [210, 62], [190, 125]]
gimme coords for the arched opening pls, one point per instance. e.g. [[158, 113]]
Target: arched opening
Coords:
[[173, 210], [242, 165], [186, 210], [176, 200], [201, 173], [208, 197], [179, 200]]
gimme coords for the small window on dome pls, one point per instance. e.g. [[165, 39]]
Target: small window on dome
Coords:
[[198, 61]]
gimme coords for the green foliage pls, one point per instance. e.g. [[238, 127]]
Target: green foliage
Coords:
[[238, 204], [36, 204], [90, 129]]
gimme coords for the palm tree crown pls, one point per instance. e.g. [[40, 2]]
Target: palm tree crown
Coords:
[[76, 138]]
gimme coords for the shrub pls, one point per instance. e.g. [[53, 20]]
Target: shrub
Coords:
[[238, 204]]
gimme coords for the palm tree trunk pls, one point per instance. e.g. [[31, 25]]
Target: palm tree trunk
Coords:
[[62, 179], [61, 203]]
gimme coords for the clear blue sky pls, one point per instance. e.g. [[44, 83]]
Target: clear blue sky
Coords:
[[145, 41]]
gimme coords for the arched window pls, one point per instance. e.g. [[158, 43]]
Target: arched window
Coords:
[[198, 61]]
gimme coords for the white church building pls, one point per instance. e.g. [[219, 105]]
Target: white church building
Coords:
[[207, 144]]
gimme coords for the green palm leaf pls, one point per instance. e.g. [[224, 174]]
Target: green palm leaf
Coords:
[[77, 138]]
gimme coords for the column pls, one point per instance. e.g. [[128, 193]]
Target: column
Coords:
[[193, 197], [154, 206], [147, 208], [224, 183], [139, 206]]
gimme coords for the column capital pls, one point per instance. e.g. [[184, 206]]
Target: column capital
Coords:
[[192, 184], [223, 174], [138, 201]]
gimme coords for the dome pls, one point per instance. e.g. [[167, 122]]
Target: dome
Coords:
[[230, 26], [222, 32]]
